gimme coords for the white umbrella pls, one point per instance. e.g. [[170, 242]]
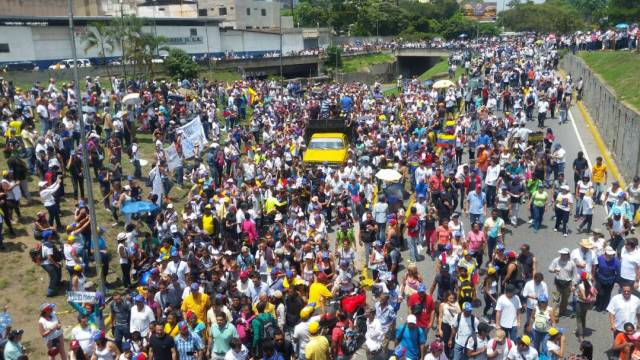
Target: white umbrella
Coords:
[[131, 99], [144, 162], [443, 84], [389, 175], [88, 109]]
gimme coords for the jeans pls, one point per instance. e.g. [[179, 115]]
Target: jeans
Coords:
[[562, 216], [459, 352], [588, 220], [78, 183], [55, 275], [512, 332], [381, 231], [537, 212], [120, 333], [581, 317], [137, 171], [515, 209], [413, 248], [540, 341], [476, 218], [126, 277], [54, 214], [179, 171], [564, 289], [491, 195], [563, 116], [491, 245], [604, 295]]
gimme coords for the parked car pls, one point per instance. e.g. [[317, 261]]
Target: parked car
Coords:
[[19, 66], [68, 64]]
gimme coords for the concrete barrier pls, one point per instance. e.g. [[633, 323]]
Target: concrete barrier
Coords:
[[618, 124]]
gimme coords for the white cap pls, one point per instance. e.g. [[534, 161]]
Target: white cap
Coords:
[[170, 206], [173, 228], [565, 187], [121, 236], [308, 256], [564, 251], [609, 251], [411, 319], [278, 217]]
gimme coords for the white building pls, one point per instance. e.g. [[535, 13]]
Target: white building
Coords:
[[242, 14]]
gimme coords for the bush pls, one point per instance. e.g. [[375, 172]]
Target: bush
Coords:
[[179, 65]]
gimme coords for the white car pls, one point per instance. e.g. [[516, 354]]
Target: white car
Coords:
[[68, 64]]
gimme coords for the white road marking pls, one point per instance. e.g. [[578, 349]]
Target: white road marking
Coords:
[[575, 129]]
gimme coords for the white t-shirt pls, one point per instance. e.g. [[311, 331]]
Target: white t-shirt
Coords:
[[441, 357], [181, 269], [564, 201], [629, 262], [587, 260], [623, 310], [533, 289], [465, 330], [140, 320], [529, 354], [475, 345], [233, 355], [493, 172], [85, 338], [509, 309]]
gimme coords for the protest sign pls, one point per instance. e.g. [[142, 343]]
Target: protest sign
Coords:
[[81, 296], [192, 133], [173, 159]]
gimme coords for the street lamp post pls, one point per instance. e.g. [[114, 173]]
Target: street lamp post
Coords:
[[85, 157], [280, 26]]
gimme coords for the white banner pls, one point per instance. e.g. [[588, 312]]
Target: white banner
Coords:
[[192, 133], [173, 159], [81, 296]]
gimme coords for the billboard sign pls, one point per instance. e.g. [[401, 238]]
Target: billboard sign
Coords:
[[480, 11]]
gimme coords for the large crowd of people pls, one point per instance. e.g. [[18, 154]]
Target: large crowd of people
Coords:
[[250, 253]]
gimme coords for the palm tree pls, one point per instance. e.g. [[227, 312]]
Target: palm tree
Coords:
[[100, 36]]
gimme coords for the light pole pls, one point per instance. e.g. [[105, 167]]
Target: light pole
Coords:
[[85, 157], [280, 26], [155, 29], [122, 33]]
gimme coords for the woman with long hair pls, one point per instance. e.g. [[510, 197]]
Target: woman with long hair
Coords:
[[50, 328], [448, 311], [411, 280]]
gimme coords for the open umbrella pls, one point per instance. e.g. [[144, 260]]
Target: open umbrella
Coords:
[[187, 92], [131, 99], [443, 84], [622, 26], [388, 175], [462, 36], [138, 207]]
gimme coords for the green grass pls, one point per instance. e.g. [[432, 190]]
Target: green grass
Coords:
[[226, 76], [619, 70], [361, 62], [439, 69]]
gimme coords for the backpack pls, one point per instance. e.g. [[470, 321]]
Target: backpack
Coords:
[[466, 289], [509, 345], [36, 253], [473, 323], [58, 255], [268, 329]]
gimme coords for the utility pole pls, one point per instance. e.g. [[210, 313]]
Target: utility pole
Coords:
[[85, 157], [122, 30], [280, 26]]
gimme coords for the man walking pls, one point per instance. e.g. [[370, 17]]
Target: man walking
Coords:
[[565, 271]]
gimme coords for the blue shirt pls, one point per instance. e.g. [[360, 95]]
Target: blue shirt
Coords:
[[411, 340], [187, 344], [386, 315], [608, 270], [476, 202], [421, 189]]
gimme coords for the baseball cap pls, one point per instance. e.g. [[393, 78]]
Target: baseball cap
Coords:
[[422, 288], [183, 325], [564, 251], [525, 339], [609, 251], [314, 326], [543, 298], [467, 306], [138, 298], [555, 331], [195, 286], [411, 319]]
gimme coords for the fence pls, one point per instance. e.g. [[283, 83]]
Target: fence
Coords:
[[618, 124]]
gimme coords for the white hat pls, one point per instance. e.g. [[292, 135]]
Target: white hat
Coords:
[[565, 187], [564, 251], [308, 256], [121, 236], [278, 217], [411, 319], [609, 251], [174, 228], [170, 206], [42, 183]]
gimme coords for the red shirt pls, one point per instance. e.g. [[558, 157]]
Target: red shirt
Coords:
[[425, 316], [337, 335], [413, 229]]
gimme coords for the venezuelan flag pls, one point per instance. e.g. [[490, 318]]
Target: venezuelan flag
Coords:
[[446, 140], [252, 96]]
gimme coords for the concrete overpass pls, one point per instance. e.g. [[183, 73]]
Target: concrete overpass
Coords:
[[292, 66], [414, 61]]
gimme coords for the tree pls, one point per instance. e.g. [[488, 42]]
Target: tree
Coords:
[[179, 65], [334, 57], [456, 26], [551, 16], [623, 11], [100, 36]]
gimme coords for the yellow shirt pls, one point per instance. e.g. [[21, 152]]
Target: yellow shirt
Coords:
[[296, 281], [199, 306], [599, 173], [171, 330], [207, 224], [317, 348], [318, 292], [269, 309]]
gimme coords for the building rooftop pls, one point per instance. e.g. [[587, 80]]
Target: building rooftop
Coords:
[[84, 20]]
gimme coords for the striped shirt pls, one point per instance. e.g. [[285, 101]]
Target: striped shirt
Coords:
[[187, 346]]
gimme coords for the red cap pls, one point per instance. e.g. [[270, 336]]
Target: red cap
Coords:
[[322, 277], [584, 276], [512, 255]]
